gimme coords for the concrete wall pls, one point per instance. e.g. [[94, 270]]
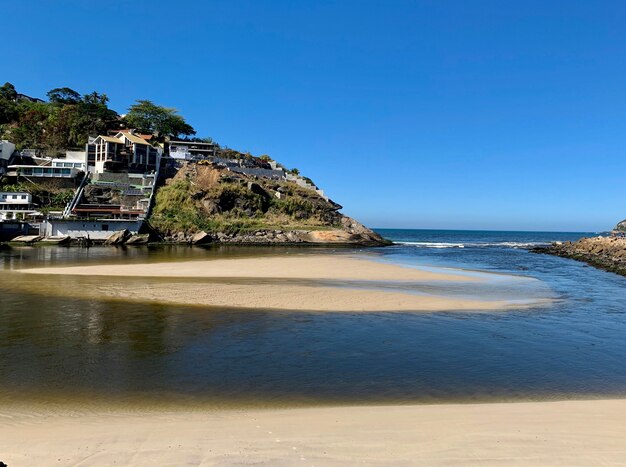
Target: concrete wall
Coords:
[[10, 230], [6, 149], [95, 229]]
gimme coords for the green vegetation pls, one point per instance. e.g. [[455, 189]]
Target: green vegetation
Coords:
[[65, 121], [177, 208], [190, 204], [48, 195], [68, 118], [160, 121]]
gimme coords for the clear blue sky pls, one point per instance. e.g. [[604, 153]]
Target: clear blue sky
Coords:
[[426, 114]]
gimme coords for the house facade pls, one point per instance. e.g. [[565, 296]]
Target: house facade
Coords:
[[190, 150], [124, 152], [42, 171], [16, 205]]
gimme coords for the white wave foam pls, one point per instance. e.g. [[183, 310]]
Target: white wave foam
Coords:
[[433, 244], [473, 244]]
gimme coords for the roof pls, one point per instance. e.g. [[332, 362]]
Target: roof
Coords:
[[133, 138], [110, 139], [145, 136]]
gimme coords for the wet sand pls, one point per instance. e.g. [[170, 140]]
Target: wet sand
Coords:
[[537, 433], [305, 266], [279, 292]]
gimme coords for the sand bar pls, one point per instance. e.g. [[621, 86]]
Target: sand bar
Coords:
[[569, 433], [331, 267], [278, 291]]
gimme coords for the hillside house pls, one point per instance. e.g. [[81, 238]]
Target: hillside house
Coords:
[[42, 171], [124, 152], [190, 150], [16, 205]]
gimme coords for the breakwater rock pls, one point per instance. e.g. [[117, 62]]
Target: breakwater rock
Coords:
[[608, 253]]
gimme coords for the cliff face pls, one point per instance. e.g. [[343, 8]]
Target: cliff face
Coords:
[[608, 253], [207, 203]]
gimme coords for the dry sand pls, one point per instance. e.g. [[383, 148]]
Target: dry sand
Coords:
[[550, 433], [278, 290]]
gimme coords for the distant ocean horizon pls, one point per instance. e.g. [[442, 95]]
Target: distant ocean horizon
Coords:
[[451, 238]]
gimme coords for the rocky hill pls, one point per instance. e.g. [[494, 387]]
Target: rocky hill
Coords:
[[205, 202]]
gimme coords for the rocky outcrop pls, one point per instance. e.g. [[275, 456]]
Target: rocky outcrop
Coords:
[[200, 238], [608, 253], [621, 226], [204, 203], [118, 238], [138, 239], [261, 237]]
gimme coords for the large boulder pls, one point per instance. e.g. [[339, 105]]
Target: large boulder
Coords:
[[118, 238], [138, 239], [200, 238]]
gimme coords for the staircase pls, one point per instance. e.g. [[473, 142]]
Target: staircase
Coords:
[[77, 196]]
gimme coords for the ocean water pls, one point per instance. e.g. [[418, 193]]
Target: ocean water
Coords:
[[68, 349]]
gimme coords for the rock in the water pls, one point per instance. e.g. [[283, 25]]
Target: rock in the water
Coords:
[[608, 253], [138, 239], [118, 238], [200, 238]]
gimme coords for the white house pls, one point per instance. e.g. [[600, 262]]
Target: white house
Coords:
[[42, 171], [188, 150], [72, 160], [16, 205], [94, 229]]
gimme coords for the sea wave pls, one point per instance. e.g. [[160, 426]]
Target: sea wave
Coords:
[[472, 244]]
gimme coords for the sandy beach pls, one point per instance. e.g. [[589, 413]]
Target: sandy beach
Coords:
[[219, 283], [539, 433]]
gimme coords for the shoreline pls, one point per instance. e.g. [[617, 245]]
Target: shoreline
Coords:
[[523, 433]]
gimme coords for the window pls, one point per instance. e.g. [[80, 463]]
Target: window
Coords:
[[23, 196], [105, 227]]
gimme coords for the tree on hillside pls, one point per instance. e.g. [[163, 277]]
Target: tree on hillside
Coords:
[[93, 117], [66, 121], [7, 91], [161, 121], [63, 96], [95, 98], [29, 130], [8, 104]]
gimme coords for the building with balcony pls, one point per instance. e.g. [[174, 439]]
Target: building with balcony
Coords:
[[16, 205], [190, 150], [124, 152], [42, 171]]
